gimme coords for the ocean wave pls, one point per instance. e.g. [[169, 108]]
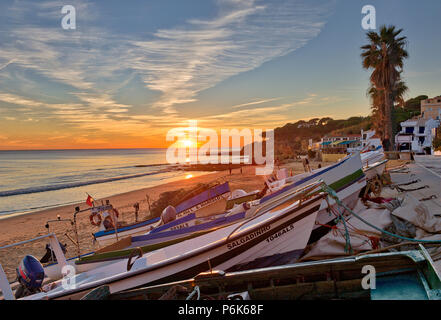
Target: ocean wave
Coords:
[[46, 188], [30, 209]]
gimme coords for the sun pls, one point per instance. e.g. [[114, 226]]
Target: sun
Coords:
[[188, 143]]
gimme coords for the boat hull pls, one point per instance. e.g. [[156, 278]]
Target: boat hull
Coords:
[[345, 177], [375, 169], [208, 202]]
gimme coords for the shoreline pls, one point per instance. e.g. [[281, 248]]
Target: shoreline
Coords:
[[75, 203]]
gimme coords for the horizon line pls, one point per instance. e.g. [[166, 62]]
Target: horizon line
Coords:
[[67, 149]]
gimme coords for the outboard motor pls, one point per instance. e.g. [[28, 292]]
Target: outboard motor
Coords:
[[30, 275]]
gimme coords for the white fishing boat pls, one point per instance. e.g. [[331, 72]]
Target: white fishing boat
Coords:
[[346, 177], [176, 231], [372, 156], [375, 169], [208, 202], [282, 224]]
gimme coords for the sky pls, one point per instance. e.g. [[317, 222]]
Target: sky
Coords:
[[131, 71]]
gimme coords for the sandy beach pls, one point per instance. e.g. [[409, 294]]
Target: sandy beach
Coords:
[[27, 226]]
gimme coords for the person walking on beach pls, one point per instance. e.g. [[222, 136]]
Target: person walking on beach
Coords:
[[136, 206]]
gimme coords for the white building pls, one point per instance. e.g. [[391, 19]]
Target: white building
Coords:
[[431, 108], [368, 140], [416, 135]]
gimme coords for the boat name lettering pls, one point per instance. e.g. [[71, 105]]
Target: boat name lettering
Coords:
[[247, 238], [180, 226], [280, 233], [199, 206]]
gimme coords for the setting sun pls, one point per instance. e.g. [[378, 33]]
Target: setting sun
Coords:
[[189, 143]]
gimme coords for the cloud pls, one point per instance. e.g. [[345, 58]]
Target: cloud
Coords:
[[6, 64], [254, 103]]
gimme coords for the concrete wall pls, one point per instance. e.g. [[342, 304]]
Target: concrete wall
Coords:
[[332, 157]]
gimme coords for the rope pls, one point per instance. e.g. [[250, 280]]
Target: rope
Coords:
[[348, 247], [408, 190], [333, 194], [195, 290], [333, 228]]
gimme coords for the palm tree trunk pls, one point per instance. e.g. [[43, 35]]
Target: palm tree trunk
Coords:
[[388, 125]]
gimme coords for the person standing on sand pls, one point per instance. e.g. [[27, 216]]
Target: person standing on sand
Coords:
[[229, 167], [136, 206], [386, 143]]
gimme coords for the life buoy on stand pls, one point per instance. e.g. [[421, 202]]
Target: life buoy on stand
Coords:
[[95, 219], [108, 221]]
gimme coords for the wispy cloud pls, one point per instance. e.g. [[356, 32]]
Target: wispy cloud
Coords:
[[182, 62], [252, 103]]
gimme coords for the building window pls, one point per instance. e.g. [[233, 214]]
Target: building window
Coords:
[[409, 129], [422, 129]]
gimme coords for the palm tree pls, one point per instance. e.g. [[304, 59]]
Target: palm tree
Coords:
[[378, 105], [385, 54]]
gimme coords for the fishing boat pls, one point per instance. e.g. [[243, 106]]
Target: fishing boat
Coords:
[[176, 231], [405, 275], [375, 169], [282, 224], [346, 177], [372, 156], [208, 202]]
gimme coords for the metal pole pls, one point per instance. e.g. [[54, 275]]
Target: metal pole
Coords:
[[115, 222], [76, 231]]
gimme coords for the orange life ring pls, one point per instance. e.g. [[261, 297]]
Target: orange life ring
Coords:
[[93, 221]]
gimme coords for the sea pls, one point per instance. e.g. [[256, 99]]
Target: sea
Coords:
[[34, 180]]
